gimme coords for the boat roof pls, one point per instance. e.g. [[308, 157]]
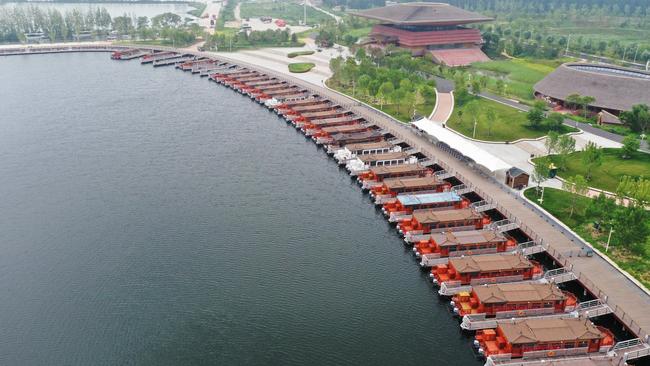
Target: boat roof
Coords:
[[307, 101], [368, 158], [518, 292], [355, 136], [411, 182], [344, 128], [290, 96], [397, 169], [314, 107], [412, 199], [323, 113], [490, 262], [467, 237], [550, 330], [369, 146], [325, 121]]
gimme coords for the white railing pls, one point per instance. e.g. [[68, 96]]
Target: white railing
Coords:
[[559, 275], [555, 353]]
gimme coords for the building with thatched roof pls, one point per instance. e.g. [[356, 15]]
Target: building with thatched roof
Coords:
[[614, 88]]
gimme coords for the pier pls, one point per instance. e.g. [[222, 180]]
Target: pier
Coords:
[[613, 293]]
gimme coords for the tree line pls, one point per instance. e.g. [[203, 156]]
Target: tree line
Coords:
[[621, 8]]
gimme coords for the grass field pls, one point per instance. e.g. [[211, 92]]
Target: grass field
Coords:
[[608, 175], [557, 202], [519, 75], [289, 12], [511, 124], [300, 67]]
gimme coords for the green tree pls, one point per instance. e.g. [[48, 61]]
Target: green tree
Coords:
[[385, 91], [541, 171], [490, 119], [592, 157], [500, 87], [535, 116], [166, 20], [573, 100], [630, 146], [551, 142], [585, 102], [638, 119], [577, 186], [476, 86], [554, 121], [565, 146]]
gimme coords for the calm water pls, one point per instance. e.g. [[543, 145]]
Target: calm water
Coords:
[[114, 9], [153, 218]]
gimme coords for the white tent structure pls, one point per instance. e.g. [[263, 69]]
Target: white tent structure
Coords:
[[494, 165]]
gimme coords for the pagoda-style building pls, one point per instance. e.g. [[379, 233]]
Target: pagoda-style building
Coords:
[[435, 28]]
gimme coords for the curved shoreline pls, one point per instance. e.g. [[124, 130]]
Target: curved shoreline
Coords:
[[629, 304]]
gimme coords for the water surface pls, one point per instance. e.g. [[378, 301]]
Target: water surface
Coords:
[[150, 217]]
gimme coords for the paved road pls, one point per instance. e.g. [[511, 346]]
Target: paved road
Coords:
[[568, 122], [601, 277]]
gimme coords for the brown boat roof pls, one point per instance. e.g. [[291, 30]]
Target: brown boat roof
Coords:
[[490, 262], [411, 182], [421, 13], [397, 169], [363, 135], [325, 121], [549, 330], [467, 237], [344, 128], [296, 103], [290, 96], [285, 91], [314, 107], [323, 113], [432, 216], [518, 292], [614, 87], [369, 145], [367, 158]]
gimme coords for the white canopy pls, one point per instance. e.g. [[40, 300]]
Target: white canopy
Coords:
[[462, 145]]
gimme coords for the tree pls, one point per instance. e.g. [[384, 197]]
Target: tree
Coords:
[[585, 102], [476, 86], [364, 83], [573, 100], [490, 118], [500, 87], [418, 98], [638, 119], [577, 186], [551, 142], [592, 157], [635, 188], [554, 121], [384, 92], [535, 116], [565, 146], [630, 145], [166, 20], [541, 171], [294, 38]]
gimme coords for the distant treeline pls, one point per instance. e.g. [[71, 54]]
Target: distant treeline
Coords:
[[355, 4], [624, 8]]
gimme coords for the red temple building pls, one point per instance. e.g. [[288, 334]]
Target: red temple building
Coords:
[[435, 28]]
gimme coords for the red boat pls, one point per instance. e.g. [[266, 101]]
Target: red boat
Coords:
[[407, 203], [457, 243], [489, 268], [537, 338], [508, 300], [426, 221], [394, 186], [377, 175]]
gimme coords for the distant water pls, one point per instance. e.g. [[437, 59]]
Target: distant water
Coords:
[[148, 217], [114, 9]]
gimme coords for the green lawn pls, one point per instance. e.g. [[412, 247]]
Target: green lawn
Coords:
[[511, 124], [608, 175], [300, 67], [519, 75], [289, 12], [300, 53], [558, 203]]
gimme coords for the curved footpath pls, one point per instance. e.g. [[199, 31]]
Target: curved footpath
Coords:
[[629, 301]]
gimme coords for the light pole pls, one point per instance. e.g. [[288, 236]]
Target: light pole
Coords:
[[541, 198], [635, 52], [609, 237], [474, 133]]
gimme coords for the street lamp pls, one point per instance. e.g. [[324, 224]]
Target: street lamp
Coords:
[[541, 198], [611, 230]]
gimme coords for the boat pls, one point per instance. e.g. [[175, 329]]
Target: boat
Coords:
[[458, 243], [364, 162], [431, 220], [375, 176], [544, 338], [391, 187], [483, 269], [409, 203], [350, 151], [510, 300]]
